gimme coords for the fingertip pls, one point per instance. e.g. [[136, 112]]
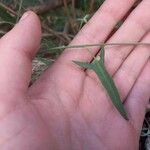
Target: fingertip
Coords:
[[26, 34], [30, 17], [31, 28]]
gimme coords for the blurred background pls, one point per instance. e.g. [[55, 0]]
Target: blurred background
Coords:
[[61, 20]]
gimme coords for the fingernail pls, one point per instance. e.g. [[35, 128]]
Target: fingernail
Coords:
[[25, 15]]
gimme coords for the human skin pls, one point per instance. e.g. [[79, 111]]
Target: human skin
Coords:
[[68, 108]]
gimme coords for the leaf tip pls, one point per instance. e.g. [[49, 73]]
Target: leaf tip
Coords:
[[83, 64]]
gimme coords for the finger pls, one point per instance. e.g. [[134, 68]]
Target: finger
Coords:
[[127, 74], [133, 29], [139, 97], [97, 29], [17, 49]]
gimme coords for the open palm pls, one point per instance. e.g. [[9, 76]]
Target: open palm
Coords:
[[68, 108]]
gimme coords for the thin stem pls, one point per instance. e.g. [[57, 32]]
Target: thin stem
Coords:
[[19, 11], [8, 9], [99, 45]]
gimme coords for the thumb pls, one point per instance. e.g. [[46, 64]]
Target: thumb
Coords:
[[17, 49]]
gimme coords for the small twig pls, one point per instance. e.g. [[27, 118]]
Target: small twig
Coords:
[[49, 5], [54, 33], [102, 44], [66, 37], [73, 9], [19, 10], [6, 22], [68, 15], [8, 9], [66, 31], [91, 5], [59, 33]]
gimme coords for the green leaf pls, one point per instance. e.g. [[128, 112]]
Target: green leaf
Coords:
[[99, 68], [111, 88], [84, 64]]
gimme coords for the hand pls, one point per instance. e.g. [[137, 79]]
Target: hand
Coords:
[[67, 108]]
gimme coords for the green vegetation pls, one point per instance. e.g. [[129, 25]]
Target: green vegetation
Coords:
[[98, 67]]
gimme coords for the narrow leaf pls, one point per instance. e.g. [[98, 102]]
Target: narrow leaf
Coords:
[[99, 68], [111, 88], [84, 64]]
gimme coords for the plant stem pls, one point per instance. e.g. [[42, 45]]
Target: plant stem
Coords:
[[101, 44], [19, 10], [8, 9]]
